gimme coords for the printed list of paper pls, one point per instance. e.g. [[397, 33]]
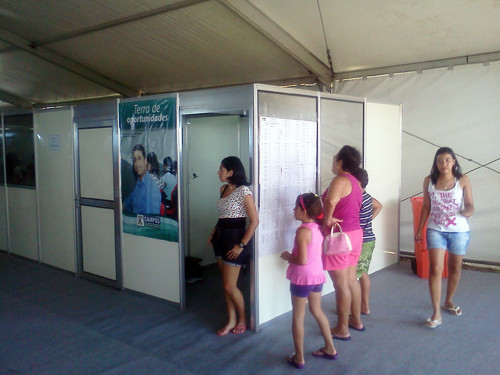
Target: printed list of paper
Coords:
[[287, 168]]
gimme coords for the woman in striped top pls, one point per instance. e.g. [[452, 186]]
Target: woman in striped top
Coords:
[[370, 208]]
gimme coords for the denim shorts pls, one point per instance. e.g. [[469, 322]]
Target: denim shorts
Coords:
[[304, 290], [455, 242]]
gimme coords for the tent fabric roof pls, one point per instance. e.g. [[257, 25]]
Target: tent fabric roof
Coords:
[[76, 50]]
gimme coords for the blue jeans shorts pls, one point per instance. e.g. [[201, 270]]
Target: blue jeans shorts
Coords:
[[304, 290], [455, 242]]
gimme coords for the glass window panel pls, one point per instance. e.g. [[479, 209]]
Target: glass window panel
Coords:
[[341, 124], [19, 150]]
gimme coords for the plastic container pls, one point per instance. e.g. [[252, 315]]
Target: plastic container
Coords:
[[421, 252]]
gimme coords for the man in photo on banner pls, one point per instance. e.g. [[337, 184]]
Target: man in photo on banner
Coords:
[[146, 197]]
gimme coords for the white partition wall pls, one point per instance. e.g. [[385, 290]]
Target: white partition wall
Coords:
[[151, 266], [373, 128], [382, 160], [22, 222], [4, 241], [55, 187], [287, 166], [4, 231]]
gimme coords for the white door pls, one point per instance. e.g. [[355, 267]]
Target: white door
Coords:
[[97, 202]]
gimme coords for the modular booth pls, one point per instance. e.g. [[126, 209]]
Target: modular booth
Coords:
[[124, 192]]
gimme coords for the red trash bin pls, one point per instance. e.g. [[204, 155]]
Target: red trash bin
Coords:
[[421, 252]]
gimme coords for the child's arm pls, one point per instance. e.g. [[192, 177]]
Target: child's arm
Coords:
[[303, 238], [377, 207]]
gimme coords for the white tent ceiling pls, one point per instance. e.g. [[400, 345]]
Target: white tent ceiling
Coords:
[[65, 51]]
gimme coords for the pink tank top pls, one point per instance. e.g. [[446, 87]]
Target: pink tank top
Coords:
[[347, 209], [310, 273]]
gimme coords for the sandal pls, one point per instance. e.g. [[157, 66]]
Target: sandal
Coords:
[[454, 310], [291, 360], [320, 353], [433, 323], [239, 329]]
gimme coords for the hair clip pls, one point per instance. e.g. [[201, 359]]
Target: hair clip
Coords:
[[302, 202]]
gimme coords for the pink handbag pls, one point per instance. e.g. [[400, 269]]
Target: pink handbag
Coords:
[[336, 243]]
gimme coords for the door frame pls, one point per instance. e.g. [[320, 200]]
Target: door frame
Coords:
[[99, 203], [184, 199]]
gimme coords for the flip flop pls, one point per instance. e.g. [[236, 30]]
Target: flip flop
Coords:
[[357, 329], [433, 323], [320, 353], [335, 337], [291, 360], [454, 310], [239, 329]]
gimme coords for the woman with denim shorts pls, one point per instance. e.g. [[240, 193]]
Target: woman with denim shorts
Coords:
[[448, 205]]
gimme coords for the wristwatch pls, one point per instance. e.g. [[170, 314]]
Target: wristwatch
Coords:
[[242, 245]]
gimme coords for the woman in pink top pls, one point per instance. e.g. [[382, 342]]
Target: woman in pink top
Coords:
[[305, 272], [342, 201]]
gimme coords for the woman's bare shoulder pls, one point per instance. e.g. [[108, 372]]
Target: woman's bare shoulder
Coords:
[[464, 180], [341, 179]]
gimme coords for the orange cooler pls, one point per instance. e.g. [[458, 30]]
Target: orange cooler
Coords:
[[421, 252]]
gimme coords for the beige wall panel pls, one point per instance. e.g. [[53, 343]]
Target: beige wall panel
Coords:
[[23, 226], [98, 241], [4, 243], [96, 163], [383, 163], [151, 266], [55, 187]]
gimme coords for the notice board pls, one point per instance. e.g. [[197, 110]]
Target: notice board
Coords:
[[287, 168]]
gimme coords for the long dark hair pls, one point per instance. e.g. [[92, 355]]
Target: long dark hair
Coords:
[[351, 160], [456, 170], [233, 163]]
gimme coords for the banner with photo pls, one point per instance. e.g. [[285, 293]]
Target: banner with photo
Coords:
[[148, 144]]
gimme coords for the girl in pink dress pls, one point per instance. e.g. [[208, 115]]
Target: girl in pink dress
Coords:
[[305, 272]]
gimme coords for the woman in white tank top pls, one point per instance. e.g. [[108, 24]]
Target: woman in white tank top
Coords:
[[448, 205]]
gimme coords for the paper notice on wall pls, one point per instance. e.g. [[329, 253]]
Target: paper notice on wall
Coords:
[[55, 142], [287, 168]]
